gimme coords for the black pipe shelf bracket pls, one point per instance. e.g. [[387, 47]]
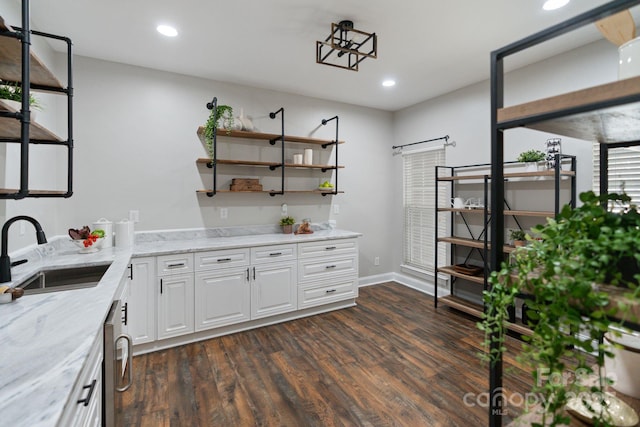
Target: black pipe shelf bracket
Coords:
[[213, 106], [23, 35], [273, 142], [336, 143]]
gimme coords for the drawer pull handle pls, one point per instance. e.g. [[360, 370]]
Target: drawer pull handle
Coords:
[[87, 399], [125, 313], [330, 266], [181, 264], [330, 291], [330, 248], [275, 254], [224, 259]]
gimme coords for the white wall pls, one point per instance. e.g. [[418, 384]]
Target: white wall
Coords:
[[465, 116], [136, 147]]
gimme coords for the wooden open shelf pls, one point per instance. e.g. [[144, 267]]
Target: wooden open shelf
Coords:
[[545, 173], [618, 122], [34, 193], [11, 60], [472, 243], [268, 136], [274, 191], [450, 271], [10, 127], [514, 212], [266, 164]]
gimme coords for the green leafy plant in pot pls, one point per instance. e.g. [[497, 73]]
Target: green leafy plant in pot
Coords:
[[13, 92], [287, 224], [531, 156], [518, 236], [222, 116], [563, 275]]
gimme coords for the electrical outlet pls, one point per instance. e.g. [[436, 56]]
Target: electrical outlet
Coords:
[[336, 209], [134, 216], [285, 209], [223, 213], [376, 261]]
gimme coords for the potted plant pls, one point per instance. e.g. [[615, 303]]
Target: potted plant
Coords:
[[221, 116], [12, 94], [531, 158], [518, 237], [562, 275], [287, 224]]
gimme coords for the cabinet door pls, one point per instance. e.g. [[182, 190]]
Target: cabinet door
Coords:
[[175, 305], [273, 290], [141, 304], [222, 297]]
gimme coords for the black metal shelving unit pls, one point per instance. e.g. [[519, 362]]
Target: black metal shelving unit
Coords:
[[582, 114], [29, 132], [456, 176], [284, 139]]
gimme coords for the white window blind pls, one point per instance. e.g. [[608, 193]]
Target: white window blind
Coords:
[[624, 171], [419, 208]]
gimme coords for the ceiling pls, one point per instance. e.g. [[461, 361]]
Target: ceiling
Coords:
[[430, 47]]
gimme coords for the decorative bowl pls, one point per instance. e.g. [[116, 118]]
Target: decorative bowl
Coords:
[[92, 248], [325, 188]]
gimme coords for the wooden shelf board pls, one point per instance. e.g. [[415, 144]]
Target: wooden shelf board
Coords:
[[32, 192], [545, 214], [449, 270], [272, 191], [618, 123], [268, 136], [462, 304], [545, 173], [265, 164], [10, 127], [471, 243], [11, 62]]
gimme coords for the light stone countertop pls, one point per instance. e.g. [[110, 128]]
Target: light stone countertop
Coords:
[[45, 339]]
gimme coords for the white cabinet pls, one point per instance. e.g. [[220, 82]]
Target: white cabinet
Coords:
[[273, 289], [84, 407], [222, 297], [176, 295], [141, 304], [327, 272]]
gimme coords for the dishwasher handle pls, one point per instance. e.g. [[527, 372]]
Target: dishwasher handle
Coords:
[[129, 369]]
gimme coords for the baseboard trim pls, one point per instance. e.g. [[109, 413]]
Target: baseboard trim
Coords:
[[424, 286]]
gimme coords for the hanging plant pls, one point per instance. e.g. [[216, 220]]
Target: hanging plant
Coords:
[[562, 275], [222, 115]]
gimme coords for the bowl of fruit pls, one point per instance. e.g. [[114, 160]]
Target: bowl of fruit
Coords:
[[326, 186], [88, 241]]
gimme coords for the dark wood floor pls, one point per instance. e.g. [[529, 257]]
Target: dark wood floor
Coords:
[[391, 361]]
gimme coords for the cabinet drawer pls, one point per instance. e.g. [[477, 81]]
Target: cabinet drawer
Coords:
[[276, 253], [320, 269], [226, 258], [174, 264], [313, 296], [328, 247]]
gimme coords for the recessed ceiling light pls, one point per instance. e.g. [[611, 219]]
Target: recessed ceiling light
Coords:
[[167, 30], [389, 83], [554, 4]]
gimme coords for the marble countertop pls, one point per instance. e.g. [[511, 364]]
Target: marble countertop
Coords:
[[46, 338]]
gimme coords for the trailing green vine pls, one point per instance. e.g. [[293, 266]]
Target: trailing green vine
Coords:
[[560, 276], [222, 115]]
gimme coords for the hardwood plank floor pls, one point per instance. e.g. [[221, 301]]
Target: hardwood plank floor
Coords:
[[391, 361]]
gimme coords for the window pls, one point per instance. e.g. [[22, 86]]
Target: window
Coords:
[[624, 171], [419, 208]]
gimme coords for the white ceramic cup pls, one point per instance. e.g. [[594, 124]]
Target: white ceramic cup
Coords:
[[297, 159], [457, 203]]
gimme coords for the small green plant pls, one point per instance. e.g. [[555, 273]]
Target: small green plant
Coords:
[[287, 220], [13, 92], [517, 235], [531, 156], [222, 115], [563, 275]]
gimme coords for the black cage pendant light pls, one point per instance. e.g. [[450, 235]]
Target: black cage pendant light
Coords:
[[346, 47]]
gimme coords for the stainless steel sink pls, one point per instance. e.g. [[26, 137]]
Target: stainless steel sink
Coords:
[[64, 279]]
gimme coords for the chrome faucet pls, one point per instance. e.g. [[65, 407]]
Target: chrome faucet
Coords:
[[5, 261]]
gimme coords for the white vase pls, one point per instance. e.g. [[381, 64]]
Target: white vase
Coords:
[[531, 167]]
